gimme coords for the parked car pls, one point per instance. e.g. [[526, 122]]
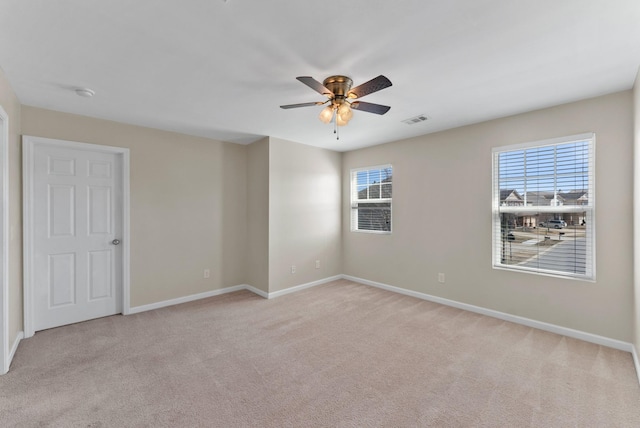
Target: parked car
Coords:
[[555, 224]]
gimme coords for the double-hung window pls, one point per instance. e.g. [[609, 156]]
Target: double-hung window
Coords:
[[371, 199], [544, 206]]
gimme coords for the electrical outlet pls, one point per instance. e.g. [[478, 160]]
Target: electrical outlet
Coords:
[[441, 278], [293, 268], [207, 273], [317, 264]]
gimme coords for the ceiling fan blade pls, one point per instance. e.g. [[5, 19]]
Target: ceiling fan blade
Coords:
[[315, 85], [374, 85], [370, 107], [317, 103]]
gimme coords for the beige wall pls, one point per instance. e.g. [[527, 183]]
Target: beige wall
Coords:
[[11, 106], [304, 213], [442, 219], [233, 223], [246, 212], [258, 215], [188, 203]]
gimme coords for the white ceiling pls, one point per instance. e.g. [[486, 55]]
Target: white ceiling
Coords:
[[222, 69]]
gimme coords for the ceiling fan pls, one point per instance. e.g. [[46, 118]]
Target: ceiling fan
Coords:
[[339, 93]]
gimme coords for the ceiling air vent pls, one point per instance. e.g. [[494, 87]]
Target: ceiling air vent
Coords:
[[416, 119]]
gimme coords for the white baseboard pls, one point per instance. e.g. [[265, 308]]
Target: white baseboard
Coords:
[[264, 294], [303, 286], [256, 291], [634, 354], [576, 334], [13, 350], [185, 299]]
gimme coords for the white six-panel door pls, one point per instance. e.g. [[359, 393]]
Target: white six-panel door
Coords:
[[76, 218]]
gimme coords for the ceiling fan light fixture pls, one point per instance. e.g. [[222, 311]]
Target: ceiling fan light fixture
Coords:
[[345, 111], [326, 114], [339, 91], [340, 121]]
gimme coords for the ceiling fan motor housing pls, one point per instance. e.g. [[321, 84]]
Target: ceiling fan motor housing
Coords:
[[340, 86]]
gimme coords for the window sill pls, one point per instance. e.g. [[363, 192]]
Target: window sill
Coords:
[[373, 232], [545, 273]]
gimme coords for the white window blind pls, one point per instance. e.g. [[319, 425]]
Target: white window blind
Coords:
[[544, 206], [371, 190]]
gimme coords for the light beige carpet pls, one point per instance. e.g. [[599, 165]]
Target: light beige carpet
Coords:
[[337, 355]]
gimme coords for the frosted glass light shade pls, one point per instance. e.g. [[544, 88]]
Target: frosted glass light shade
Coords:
[[345, 112], [326, 114], [340, 121]]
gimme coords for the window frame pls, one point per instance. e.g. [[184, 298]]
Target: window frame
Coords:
[[353, 191], [589, 208]]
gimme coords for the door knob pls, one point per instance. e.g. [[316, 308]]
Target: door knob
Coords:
[[115, 241]]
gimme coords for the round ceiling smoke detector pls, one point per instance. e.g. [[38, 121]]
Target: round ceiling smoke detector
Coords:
[[85, 92]]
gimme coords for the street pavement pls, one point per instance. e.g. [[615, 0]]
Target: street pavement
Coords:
[[566, 256]]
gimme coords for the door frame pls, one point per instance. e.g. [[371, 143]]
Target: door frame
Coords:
[[5, 350], [29, 144]]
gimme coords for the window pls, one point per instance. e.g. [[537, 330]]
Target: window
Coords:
[[543, 207], [371, 199]]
